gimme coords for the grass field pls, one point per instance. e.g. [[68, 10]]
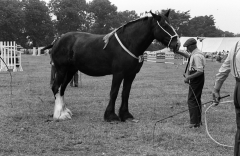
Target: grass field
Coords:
[[157, 92]]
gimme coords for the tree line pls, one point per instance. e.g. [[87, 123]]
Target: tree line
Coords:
[[35, 23]]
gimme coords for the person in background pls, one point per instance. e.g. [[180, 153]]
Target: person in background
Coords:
[[74, 81], [53, 69], [194, 75], [231, 64], [218, 57]]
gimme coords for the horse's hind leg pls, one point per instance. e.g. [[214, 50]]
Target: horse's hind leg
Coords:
[[124, 111], [61, 112]]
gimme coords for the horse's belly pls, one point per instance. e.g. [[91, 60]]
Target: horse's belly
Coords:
[[95, 73], [95, 70]]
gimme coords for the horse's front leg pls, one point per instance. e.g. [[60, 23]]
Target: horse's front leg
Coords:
[[124, 111], [109, 114]]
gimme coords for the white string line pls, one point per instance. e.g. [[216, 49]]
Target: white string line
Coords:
[[224, 145]]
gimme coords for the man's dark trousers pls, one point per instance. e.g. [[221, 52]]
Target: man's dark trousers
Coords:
[[194, 103], [237, 109]]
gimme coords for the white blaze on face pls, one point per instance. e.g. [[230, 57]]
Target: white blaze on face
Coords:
[[61, 112]]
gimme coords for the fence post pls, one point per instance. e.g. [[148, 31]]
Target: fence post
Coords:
[[38, 51], [34, 51]]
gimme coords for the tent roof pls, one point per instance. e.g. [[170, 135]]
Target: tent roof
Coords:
[[228, 43], [213, 44]]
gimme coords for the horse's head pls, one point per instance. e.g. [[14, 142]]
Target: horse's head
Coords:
[[164, 32]]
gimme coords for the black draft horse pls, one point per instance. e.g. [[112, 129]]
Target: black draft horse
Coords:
[[121, 57]]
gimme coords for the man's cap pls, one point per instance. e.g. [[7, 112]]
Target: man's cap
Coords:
[[189, 42]]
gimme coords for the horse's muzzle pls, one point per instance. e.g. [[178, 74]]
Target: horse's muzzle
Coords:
[[176, 48]]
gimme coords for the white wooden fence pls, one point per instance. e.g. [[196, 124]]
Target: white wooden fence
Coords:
[[164, 56], [10, 56], [37, 51]]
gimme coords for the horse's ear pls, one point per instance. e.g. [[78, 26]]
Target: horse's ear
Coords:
[[167, 13], [154, 15]]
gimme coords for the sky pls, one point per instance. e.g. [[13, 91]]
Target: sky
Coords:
[[225, 12]]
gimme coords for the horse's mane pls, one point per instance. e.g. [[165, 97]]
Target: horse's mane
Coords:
[[135, 21], [109, 35]]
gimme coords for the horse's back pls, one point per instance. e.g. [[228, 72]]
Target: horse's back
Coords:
[[85, 52], [89, 42], [79, 38]]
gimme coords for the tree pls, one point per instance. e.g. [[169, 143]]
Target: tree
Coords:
[[179, 21], [71, 15], [237, 35], [126, 16], [203, 26], [12, 21], [103, 15], [38, 24], [197, 26], [228, 34]]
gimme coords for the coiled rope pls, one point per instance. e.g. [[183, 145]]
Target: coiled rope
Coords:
[[207, 131], [181, 113]]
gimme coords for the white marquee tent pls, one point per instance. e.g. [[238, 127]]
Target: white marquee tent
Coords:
[[213, 44]]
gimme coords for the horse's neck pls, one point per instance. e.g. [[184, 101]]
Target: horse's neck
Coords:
[[137, 40]]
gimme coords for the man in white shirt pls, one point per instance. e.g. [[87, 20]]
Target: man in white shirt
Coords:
[[231, 64], [195, 77]]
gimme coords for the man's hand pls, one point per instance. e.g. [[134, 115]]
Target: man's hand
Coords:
[[176, 51], [216, 96], [186, 80]]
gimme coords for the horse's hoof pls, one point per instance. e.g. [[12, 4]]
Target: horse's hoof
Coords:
[[132, 120], [125, 116], [63, 115], [111, 117], [68, 111]]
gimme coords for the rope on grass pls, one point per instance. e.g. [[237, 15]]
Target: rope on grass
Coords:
[[181, 113], [177, 114], [207, 125]]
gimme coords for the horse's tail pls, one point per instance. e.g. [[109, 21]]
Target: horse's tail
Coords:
[[47, 47]]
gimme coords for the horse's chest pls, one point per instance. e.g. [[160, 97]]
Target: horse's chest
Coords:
[[134, 67]]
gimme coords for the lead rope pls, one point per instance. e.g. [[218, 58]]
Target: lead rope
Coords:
[[205, 119], [196, 99], [224, 145], [203, 104], [235, 73], [200, 110]]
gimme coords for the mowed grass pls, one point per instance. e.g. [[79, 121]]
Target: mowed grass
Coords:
[[157, 92]]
